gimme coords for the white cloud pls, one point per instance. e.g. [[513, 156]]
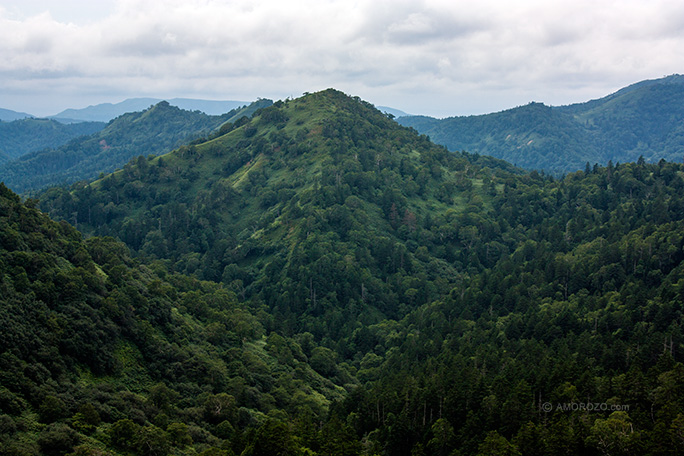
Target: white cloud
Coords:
[[432, 56]]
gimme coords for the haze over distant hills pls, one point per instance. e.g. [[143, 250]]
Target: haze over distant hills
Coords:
[[644, 119], [393, 111], [7, 115], [105, 112]]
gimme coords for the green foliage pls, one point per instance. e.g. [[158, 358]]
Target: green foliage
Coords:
[[385, 297], [273, 438], [123, 434], [152, 441], [643, 120], [57, 439], [154, 131], [23, 136], [97, 345], [51, 409], [497, 445]]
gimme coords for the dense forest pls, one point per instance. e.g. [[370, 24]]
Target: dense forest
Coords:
[[154, 131], [317, 279], [644, 119]]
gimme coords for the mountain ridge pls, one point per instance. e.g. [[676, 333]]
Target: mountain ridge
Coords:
[[156, 130], [314, 135], [7, 115], [641, 119], [23, 136], [104, 112]]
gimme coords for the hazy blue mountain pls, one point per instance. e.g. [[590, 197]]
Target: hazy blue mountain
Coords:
[[394, 112], [211, 107], [105, 112], [645, 119], [7, 115]]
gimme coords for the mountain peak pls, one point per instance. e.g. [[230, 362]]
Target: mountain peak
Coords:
[[319, 170]]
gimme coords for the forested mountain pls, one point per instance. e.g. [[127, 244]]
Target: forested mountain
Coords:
[[154, 131], [100, 351], [325, 179], [20, 137], [645, 119], [412, 301]]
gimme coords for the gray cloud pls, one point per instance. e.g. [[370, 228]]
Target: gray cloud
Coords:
[[436, 57]]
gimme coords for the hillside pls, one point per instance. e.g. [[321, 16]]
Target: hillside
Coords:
[[463, 307], [20, 137], [100, 351], [322, 170], [154, 131], [644, 119]]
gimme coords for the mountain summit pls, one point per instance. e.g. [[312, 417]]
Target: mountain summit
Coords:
[[311, 205]]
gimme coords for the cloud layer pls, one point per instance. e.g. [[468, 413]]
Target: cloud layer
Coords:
[[433, 56]]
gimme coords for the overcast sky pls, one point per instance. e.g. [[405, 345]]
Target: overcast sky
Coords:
[[439, 57]]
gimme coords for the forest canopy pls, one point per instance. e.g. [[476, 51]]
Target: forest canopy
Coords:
[[317, 279]]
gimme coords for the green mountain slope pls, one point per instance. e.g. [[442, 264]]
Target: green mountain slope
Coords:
[[465, 307], [641, 120], [151, 132], [100, 351], [20, 137], [566, 345], [324, 170]]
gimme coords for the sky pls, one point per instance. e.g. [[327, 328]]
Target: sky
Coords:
[[432, 57]]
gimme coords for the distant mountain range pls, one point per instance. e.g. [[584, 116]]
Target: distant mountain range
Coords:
[[7, 115], [645, 119], [105, 112], [395, 112]]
